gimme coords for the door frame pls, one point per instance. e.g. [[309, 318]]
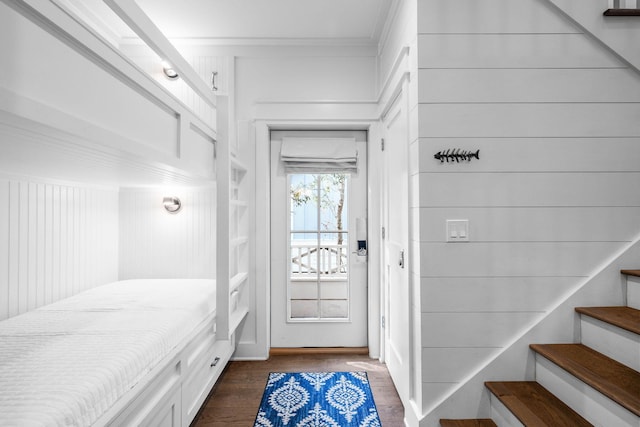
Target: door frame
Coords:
[[402, 374], [263, 130], [351, 331]]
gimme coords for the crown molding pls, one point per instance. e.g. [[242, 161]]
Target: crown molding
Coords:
[[263, 41]]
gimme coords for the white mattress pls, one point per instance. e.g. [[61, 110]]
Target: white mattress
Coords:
[[65, 364]]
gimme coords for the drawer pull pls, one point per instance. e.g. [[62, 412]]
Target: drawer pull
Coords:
[[215, 362]]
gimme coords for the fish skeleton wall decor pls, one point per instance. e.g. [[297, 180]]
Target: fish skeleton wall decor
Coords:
[[456, 154]]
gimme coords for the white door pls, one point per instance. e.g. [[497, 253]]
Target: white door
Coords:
[[318, 281], [396, 223]]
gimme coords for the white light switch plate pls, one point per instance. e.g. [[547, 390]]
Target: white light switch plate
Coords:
[[457, 230]]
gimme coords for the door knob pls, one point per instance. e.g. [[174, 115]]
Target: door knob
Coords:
[[401, 262]]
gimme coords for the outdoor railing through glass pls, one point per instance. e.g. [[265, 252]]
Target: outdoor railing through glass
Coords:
[[309, 260]]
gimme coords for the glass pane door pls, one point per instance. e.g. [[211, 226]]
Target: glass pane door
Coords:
[[318, 279]]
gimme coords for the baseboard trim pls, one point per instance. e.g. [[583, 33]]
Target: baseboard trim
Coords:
[[291, 351]]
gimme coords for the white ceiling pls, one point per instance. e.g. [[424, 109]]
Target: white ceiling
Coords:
[[348, 20], [248, 21]]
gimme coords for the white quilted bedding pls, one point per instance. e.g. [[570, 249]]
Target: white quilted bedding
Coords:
[[65, 364]]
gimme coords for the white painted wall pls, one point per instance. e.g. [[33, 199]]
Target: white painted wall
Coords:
[[304, 75], [554, 115], [157, 244], [619, 34], [55, 241]]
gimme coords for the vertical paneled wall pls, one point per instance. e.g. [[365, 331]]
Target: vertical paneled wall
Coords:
[[554, 194], [55, 241], [204, 65], [157, 244]]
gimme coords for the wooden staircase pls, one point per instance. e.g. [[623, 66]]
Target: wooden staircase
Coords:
[[595, 382]]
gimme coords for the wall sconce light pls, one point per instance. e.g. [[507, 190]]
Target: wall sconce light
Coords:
[[169, 71], [172, 204]]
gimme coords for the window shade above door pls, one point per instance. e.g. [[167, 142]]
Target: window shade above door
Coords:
[[316, 155]]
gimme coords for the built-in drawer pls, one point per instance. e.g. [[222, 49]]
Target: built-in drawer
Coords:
[[158, 404], [203, 340], [200, 378]]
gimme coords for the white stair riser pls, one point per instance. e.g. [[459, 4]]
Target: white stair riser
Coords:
[[633, 292], [588, 402], [501, 415], [614, 342]]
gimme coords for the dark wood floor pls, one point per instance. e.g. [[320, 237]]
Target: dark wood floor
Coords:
[[235, 399]]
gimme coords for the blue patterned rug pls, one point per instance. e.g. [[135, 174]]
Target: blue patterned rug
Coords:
[[317, 399]]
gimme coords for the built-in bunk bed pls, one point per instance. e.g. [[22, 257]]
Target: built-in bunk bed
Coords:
[[98, 343]]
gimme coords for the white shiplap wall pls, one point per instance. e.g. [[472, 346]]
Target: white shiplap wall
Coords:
[[55, 241], [156, 244], [554, 194]]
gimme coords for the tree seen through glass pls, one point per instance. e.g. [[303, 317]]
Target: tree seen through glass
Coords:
[[326, 190]]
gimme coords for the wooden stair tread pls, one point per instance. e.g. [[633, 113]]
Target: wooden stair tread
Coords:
[[534, 405], [621, 12], [631, 272], [623, 317], [483, 422], [610, 377]]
